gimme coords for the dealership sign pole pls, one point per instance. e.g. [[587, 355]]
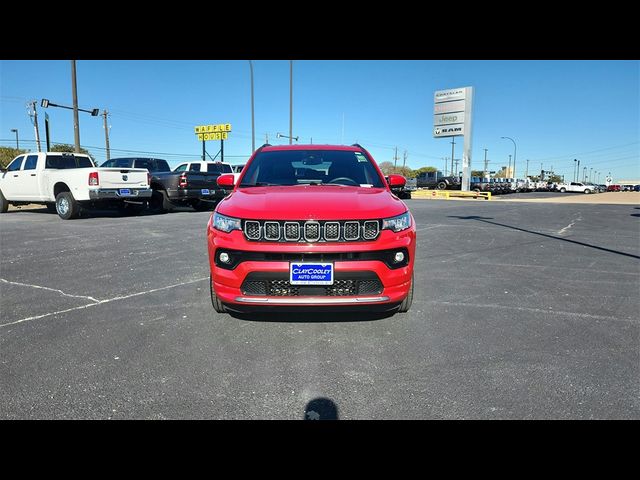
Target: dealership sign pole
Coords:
[[451, 118]]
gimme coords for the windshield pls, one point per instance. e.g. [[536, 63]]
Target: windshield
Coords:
[[311, 167], [219, 168]]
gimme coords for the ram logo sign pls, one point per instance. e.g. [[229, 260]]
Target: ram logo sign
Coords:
[[449, 130]]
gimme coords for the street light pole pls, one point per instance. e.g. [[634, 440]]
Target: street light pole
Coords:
[[74, 92], [574, 169], [291, 101], [106, 133], [15, 130], [584, 174], [526, 174], [253, 126], [515, 148], [590, 170], [509, 168]]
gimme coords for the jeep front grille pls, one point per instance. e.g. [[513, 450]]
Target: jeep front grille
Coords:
[[311, 231]]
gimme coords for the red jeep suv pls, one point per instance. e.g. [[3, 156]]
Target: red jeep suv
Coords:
[[311, 226]]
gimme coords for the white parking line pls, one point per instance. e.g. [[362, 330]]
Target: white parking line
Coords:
[[96, 302], [50, 289]]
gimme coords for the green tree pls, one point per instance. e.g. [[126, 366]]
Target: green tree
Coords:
[[64, 147], [7, 154], [386, 167], [477, 173], [425, 169]]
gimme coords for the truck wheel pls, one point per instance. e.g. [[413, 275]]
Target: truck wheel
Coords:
[[442, 186], [563, 190], [66, 206], [4, 205], [406, 303], [218, 306], [160, 201], [587, 191], [51, 207]]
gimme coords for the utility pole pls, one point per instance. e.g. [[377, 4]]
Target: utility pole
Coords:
[[445, 165], [526, 175], [509, 169], [456, 170], [290, 101], [486, 162], [266, 138], [404, 160], [74, 92], [578, 171], [106, 133], [453, 144], [32, 104], [395, 160]]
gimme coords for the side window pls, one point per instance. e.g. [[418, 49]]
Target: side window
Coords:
[[181, 168], [15, 165], [195, 167], [31, 162]]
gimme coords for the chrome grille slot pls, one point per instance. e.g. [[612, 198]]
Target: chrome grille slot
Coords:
[[271, 231], [312, 231], [370, 230], [292, 231], [252, 229], [331, 231], [351, 230]]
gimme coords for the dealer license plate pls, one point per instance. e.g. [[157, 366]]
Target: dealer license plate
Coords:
[[311, 273], [125, 191], [205, 191]]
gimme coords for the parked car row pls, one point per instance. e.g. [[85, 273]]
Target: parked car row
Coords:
[[68, 182]]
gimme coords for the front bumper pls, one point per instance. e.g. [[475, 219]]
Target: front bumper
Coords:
[[114, 193], [228, 283]]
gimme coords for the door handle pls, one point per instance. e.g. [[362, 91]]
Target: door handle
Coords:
[[33, 174], [15, 175]]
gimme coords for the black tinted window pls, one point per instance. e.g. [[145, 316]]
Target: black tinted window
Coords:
[[15, 165], [296, 167], [219, 168], [195, 167], [31, 162], [153, 164], [67, 161], [118, 163]]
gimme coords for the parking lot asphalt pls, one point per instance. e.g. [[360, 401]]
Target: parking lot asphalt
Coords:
[[521, 311]]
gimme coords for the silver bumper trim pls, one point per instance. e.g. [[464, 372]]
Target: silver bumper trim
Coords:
[[311, 300], [103, 193]]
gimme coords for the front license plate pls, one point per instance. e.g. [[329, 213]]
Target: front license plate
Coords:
[[125, 191], [205, 191], [311, 273]]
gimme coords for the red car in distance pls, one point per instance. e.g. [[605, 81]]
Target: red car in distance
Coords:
[[311, 226], [613, 188]]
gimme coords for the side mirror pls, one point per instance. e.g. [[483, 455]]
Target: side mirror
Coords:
[[226, 181], [396, 181]]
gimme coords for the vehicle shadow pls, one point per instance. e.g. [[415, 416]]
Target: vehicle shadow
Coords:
[[487, 220], [302, 316], [321, 408]]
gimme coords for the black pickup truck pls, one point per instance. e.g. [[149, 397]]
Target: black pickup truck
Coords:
[[169, 189], [438, 180]]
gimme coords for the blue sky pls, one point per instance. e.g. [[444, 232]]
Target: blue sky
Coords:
[[555, 110]]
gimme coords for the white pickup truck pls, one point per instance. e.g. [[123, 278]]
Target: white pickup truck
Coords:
[[65, 182], [575, 187], [209, 167]]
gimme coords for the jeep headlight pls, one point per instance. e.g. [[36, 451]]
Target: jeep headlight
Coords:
[[225, 224], [397, 224]]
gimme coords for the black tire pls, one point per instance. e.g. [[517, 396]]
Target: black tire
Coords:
[[160, 202], [587, 191], [4, 204], [67, 206], [406, 303], [441, 186], [51, 207], [218, 306], [563, 190]]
